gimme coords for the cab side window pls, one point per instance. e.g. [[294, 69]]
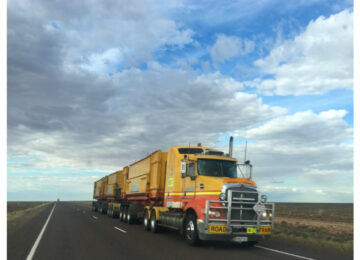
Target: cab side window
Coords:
[[191, 169]]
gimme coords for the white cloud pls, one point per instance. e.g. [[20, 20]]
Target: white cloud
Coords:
[[316, 61], [304, 128], [306, 151], [320, 192], [105, 62], [227, 47]]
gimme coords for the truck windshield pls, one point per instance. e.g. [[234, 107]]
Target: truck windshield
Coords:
[[217, 168]]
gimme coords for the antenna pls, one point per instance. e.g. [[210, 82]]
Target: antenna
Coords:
[[245, 150]]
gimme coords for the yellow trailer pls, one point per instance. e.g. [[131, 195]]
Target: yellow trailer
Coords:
[[112, 184], [99, 187], [146, 177]]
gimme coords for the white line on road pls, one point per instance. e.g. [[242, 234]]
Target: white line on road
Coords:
[[33, 249], [95, 217], [285, 253], [124, 231]]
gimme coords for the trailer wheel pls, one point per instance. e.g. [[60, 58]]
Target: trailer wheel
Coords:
[[146, 220], [121, 213], [190, 230], [125, 213], [154, 227], [129, 217]]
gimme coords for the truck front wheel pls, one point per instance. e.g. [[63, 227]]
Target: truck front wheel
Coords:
[[190, 230]]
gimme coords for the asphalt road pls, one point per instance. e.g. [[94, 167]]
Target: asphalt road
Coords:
[[75, 232]]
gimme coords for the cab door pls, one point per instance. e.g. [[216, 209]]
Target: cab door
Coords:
[[189, 182]]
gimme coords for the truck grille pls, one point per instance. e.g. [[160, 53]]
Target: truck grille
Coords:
[[243, 201]]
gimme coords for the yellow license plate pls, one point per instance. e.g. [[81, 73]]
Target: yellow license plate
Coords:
[[265, 230], [251, 230], [217, 229]]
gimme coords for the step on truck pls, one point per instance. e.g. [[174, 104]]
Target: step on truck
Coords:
[[202, 192]]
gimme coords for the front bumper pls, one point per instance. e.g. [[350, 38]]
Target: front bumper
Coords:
[[229, 236], [237, 220]]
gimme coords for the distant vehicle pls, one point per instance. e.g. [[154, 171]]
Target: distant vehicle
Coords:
[[193, 189], [58, 200]]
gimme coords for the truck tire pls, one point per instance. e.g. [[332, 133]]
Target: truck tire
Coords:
[[125, 213], [190, 230], [121, 213], [129, 217], [154, 227], [146, 220]]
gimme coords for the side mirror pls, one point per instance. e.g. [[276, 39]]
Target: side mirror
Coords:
[[183, 169]]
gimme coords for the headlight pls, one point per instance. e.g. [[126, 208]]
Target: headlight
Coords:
[[263, 198], [264, 214], [222, 196], [214, 213]]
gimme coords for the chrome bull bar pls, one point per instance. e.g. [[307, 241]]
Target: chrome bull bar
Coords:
[[241, 204]]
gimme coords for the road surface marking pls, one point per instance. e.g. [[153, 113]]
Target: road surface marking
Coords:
[[95, 217], [285, 253], [37, 241], [124, 231]]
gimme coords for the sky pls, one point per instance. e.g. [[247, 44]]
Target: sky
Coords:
[[93, 86]]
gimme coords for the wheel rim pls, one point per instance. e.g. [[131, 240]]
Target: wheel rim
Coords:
[[145, 220], [152, 223], [190, 229], [120, 214], [128, 217]]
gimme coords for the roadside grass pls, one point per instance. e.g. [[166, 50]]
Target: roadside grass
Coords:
[[19, 209], [311, 234], [314, 236], [335, 212], [21, 205]]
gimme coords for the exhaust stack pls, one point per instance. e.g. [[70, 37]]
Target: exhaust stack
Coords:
[[231, 146]]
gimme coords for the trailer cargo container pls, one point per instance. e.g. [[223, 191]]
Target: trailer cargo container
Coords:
[[204, 193]]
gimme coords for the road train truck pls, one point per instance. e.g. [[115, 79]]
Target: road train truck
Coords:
[[202, 192]]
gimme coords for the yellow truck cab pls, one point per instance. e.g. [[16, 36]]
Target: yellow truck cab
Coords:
[[216, 196]]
